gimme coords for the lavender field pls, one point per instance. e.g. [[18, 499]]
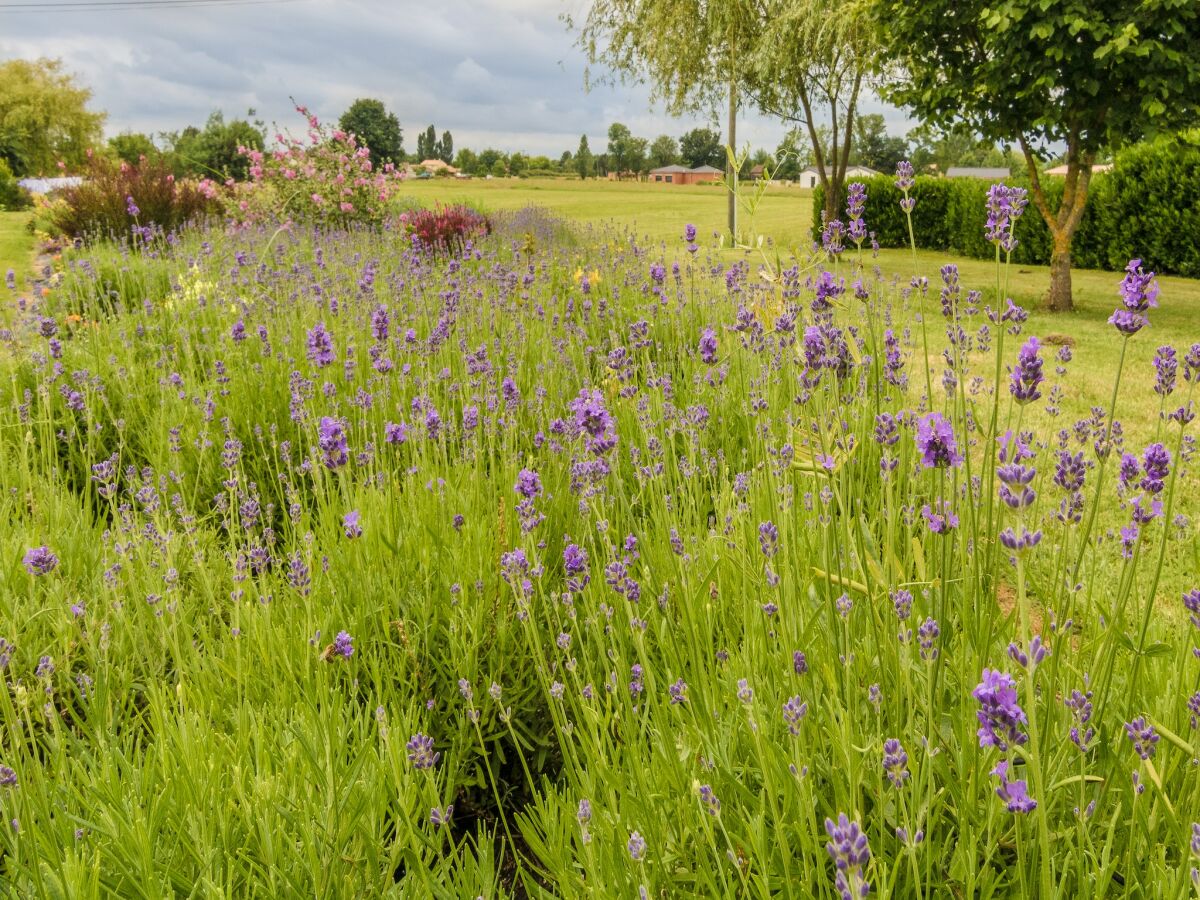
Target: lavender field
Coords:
[[335, 562]]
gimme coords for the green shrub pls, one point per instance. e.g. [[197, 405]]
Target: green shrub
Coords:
[[13, 197], [1148, 207]]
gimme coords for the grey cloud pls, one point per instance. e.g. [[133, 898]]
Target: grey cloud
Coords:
[[504, 73]]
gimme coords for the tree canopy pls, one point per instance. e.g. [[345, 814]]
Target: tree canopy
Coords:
[[370, 121], [1035, 73], [214, 150], [701, 147], [44, 117]]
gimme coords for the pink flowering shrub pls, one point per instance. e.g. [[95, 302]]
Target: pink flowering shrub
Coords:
[[327, 180]]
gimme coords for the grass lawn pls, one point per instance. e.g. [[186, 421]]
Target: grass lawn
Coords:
[[785, 216], [16, 244]]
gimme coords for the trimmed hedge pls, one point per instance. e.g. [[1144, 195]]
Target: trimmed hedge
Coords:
[[1148, 206]]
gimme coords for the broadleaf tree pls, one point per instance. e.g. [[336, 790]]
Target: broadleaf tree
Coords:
[[1088, 76], [810, 67], [369, 120], [44, 117], [691, 53]]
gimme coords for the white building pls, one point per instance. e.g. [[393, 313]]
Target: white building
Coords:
[[810, 177]]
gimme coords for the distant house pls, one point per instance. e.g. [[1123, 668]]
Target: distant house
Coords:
[[757, 173], [684, 175], [977, 172], [46, 185], [1062, 170], [810, 177], [437, 167]]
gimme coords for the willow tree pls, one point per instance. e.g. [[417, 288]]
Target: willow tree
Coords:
[[692, 53], [1044, 75], [810, 67]]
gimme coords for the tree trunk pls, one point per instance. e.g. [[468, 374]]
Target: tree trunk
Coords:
[[1060, 274], [730, 174], [1063, 223]]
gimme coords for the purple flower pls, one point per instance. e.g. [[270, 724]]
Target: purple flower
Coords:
[[927, 634], [1191, 602], [8, 778], [856, 204], [708, 346], [800, 664], [904, 176], [794, 711], [131, 207], [1143, 736], [320, 346], [420, 751], [591, 415], [850, 853], [689, 233], [395, 433], [1004, 206], [343, 645], [1156, 464], [935, 440], [709, 800], [1165, 367], [636, 847], [1126, 322], [941, 521], [1080, 705], [1191, 364], [1000, 717], [828, 289], [1037, 652], [439, 817], [40, 561], [529, 484], [1139, 289], [678, 692], [895, 762], [768, 539], [350, 524], [1027, 374], [1014, 793], [331, 438]]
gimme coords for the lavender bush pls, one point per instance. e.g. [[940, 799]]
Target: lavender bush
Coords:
[[337, 567]]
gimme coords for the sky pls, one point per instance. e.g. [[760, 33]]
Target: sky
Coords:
[[495, 73]]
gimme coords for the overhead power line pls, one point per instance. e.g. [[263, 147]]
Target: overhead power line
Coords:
[[77, 6]]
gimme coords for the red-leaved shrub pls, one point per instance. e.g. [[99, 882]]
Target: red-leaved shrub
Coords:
[[116, 198], [445, 228]]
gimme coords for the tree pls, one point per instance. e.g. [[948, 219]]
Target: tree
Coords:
[[874, 147], [131, 146], [566, 161], [626, 152], [809, 67], [517, 164], [44, 117], [445, 149], [370, 121], [693, 54], [488, 159], [1073, 72], [467, 161], [664, 152], [585, 164], [701, 147], [427, 144], [215, 150]]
